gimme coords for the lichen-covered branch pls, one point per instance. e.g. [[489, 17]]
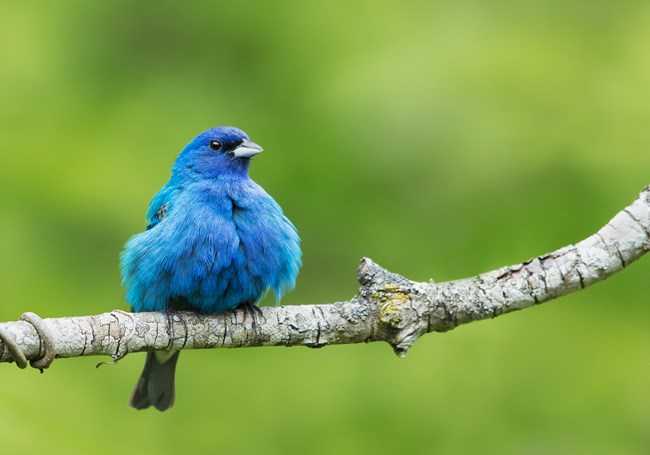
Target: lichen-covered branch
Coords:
[[388, 308]]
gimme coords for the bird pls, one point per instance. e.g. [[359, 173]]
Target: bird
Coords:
[[214, 241]]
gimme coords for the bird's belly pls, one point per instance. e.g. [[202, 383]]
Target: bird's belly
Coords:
[[211, 263], [218, 277]]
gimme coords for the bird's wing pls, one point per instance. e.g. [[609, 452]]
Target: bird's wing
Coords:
[[160, 206]]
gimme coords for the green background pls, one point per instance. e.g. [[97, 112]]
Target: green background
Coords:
[[440, 138]]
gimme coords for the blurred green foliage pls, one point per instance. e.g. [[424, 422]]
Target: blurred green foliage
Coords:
[[440, 138]]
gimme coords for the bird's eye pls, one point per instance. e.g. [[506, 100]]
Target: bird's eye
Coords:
[[215, 145]]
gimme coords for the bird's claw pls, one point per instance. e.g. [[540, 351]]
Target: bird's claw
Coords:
[[252, 310]]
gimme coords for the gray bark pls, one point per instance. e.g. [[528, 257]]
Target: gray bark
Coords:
[[388, 307]]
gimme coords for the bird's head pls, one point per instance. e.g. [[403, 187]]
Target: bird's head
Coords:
[[222, 151]]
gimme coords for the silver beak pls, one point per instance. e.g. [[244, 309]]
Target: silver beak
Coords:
[[246, 149]]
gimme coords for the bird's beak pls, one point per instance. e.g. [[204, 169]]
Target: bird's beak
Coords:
[[246, 149]]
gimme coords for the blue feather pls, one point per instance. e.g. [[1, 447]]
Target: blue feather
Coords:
[[214, 237], [214, 240]]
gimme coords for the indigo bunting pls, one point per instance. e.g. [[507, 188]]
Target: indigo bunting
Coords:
[[215, 241]]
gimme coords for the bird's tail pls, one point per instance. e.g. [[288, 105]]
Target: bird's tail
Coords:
[[156, 383]]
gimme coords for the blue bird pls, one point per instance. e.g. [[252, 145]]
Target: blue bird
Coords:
[[215, 241]]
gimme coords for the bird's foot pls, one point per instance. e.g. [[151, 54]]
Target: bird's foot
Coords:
[[170, 312], [252, 310]]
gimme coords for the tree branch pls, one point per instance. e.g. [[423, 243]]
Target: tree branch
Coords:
[[388, 307]]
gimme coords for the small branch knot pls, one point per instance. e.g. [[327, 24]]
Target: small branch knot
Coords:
[[46, 341], [13, 348], [367, 271], [397, 319], [391, 302]]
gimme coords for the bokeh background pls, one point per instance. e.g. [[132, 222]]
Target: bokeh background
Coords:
[[440, 138]]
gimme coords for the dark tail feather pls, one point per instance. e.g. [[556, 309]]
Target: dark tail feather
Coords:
[[156, 383]]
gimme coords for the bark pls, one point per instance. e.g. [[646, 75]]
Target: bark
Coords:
[[388, 308]]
